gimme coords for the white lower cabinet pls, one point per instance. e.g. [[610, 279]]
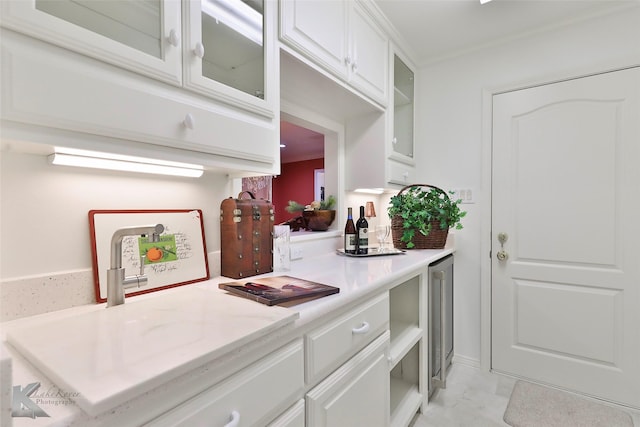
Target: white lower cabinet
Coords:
[[292, 417], [357, 393], [254, 396], [365, 366]]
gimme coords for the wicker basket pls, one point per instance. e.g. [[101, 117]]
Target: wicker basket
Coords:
[[437, 237]]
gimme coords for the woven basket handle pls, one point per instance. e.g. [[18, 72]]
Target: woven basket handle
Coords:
[[423, 185]]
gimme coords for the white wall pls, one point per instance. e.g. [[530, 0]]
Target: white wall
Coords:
[[44, 210], [450, 118]]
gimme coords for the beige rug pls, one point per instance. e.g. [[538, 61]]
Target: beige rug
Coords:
[[532, 405]]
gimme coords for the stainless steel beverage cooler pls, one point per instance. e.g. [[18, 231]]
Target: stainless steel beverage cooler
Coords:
[[440, 321]]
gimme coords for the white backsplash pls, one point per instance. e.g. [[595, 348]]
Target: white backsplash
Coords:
[[29, 296]]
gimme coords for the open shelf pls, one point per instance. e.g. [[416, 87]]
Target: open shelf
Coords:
[[405, 401], [403, 337], [408, 350]]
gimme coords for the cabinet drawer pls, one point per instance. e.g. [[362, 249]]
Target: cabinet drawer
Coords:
[[400, 173], [356, 394], [256, 394], [330, 345]]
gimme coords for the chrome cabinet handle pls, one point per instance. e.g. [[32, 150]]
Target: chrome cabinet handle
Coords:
[[363, 329], [189, 121], [174, 39], [199, 50], [235, 419]]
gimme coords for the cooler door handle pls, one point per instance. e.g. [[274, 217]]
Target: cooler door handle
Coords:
[[441, 378]]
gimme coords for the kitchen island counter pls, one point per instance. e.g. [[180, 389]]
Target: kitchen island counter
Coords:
[[357, 278]]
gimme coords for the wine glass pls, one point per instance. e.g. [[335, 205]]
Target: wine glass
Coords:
[[382, 232]]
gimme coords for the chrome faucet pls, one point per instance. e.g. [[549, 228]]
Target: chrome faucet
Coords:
[[116, 280]]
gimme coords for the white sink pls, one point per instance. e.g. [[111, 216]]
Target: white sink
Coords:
[[104, 356]]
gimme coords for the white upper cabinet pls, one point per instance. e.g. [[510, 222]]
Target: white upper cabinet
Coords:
[[224, 49], [402, 125], [193, 76], [369, 50], [229, 49], [386, 139], [341, 37], [142, 36], [317, 29]]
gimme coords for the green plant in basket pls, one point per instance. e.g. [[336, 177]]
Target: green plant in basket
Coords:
[[322, 205], [418, 209]]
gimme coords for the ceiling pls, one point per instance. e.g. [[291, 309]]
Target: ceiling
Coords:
[[440, 29], [301, 144]]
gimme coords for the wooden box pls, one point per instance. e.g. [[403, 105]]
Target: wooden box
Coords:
[[246, 236]]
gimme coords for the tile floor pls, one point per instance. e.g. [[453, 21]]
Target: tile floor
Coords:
[[473, 398]]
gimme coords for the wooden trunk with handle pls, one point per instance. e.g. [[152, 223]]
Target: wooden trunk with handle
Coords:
[[246, 236]]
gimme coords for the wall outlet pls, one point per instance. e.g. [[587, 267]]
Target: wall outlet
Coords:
[[296, 253], [464, 194]]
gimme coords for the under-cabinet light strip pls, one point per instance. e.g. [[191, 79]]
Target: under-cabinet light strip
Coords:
[[369, 190], [125, 163]]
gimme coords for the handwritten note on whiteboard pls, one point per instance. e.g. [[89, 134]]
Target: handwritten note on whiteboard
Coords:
[[178, 258]]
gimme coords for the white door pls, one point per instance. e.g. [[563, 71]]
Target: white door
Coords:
[[566, 193]]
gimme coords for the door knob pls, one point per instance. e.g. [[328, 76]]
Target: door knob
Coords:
[[502, 255]]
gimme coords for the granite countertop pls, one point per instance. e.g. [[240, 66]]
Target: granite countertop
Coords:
[[105, 388]]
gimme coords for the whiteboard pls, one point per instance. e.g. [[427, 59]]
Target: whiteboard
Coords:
[[179, 258]]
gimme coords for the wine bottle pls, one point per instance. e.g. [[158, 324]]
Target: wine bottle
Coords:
[[362, 229], [350, 234]]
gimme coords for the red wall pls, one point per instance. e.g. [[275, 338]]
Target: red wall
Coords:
[[294, 183]]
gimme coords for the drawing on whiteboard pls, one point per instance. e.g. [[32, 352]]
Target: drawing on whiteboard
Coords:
[[156, 252]]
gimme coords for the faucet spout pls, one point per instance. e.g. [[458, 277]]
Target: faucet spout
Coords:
[[116, 280]]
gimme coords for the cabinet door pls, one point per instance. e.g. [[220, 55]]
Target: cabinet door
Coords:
[[142, 36], [318, 29], [229, 52], [357, 394], [403, 111], [369, 49]]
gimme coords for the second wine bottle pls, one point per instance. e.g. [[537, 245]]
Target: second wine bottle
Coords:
[[362, 230]]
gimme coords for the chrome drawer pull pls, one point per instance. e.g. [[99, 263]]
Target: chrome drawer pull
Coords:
[[362, 329], [235, 419]]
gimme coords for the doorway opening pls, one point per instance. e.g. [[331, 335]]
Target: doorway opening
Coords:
[[309, 164]]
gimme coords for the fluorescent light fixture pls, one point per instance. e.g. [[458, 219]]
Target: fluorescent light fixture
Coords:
[[369, 190], [237, 15], [484, 1], [97, 160]]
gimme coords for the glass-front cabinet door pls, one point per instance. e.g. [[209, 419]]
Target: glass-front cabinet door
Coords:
[[143, 36], [403, 111], [217, 48], [229, 45]]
